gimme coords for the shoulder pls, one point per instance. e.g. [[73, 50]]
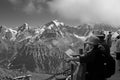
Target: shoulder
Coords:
[[118, 41]]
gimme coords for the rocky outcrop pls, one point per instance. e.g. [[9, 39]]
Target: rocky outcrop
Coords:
[[38, 57]]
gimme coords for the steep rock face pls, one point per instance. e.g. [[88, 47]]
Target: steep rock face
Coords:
[[6, 43], [38, 57], [23, 28], [23, 32], [52, 30], [58, 34]]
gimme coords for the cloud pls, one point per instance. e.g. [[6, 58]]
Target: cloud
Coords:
[[90, 11], [14, 1], [84, 11], [30, 6]]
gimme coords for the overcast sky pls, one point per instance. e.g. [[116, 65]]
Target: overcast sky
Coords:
[[71, 12], [34, 12]]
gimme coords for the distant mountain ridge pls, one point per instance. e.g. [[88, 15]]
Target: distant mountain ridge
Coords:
[[105, 27]]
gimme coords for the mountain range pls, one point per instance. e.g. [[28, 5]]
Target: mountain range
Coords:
[[43, 49]]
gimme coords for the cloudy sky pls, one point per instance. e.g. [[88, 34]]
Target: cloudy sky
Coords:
[[72, 12], [34, 12], [16, 12]]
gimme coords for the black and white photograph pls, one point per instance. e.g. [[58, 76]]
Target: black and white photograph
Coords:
[[59, 39]]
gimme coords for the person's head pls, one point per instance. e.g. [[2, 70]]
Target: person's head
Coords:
[[109, 31], [92, 43], [100, 34], [101, 37]]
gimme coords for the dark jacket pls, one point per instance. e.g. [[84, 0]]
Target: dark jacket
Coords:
[[108, 40], [94, 64], [106, 46], [117, 49]]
